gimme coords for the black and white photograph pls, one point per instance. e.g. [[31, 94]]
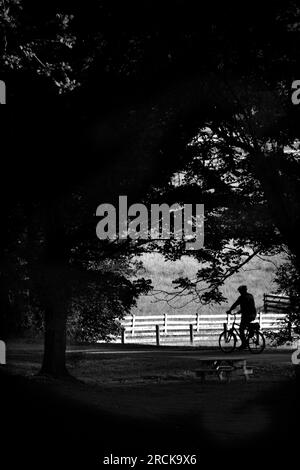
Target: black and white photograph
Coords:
[[150, 234]]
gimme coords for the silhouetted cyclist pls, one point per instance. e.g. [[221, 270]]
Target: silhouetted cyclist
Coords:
[[248, 311]]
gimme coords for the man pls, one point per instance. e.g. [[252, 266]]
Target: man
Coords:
[[248, 311]]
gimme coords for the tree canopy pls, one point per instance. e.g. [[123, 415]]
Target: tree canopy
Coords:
[[92, 114]]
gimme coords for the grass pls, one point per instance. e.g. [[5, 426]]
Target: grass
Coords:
[[150, 399], [103, 364], [258, 275]]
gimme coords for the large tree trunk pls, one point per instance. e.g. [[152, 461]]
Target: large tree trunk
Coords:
[[6, 314], [56, 291], [54, 360]]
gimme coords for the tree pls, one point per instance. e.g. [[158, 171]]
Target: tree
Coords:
[[243, 163], [287, 280], [96, 309], [151, 97]]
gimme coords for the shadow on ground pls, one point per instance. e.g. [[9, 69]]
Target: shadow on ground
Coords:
[[43, 427]]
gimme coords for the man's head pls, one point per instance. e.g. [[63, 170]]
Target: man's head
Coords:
[[242, 290]]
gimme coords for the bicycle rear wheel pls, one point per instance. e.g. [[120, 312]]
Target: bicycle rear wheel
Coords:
[[227, 341], [256, 343]]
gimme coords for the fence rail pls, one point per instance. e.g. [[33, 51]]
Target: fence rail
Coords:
[[194, 326]]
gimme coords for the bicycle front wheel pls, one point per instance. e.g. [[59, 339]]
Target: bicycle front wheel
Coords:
[[227, 341], [256, 343]]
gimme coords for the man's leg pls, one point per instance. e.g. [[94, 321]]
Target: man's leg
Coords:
[[243, 326]]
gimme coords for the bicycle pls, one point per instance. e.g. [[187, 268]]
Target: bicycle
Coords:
[[255, 340]]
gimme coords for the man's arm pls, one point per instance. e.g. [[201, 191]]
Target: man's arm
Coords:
[[233, 306]]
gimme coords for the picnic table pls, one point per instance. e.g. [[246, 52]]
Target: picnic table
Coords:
[[224, 369]]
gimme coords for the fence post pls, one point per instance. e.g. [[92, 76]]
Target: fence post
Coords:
[[191, 333], [157, 334], [197, 321], [290, 328], [166, 324], [133, 324], [260, 318], [265, 303], [123, 335]]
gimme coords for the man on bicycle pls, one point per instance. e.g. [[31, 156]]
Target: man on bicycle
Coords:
[[248, 311]]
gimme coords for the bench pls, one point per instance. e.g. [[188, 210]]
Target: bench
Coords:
[[275, 303], [284, 305], [224, 369]]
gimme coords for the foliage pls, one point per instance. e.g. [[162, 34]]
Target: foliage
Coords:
[[135, 109], [287, 279], [96, 309]]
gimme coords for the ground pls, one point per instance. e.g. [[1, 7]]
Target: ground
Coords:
[[133, 400]]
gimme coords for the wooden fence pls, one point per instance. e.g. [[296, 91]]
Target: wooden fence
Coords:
[[277, 303], [153, 328]]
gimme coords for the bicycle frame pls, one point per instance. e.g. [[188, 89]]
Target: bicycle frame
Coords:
[[255, 340], [233, 329]]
